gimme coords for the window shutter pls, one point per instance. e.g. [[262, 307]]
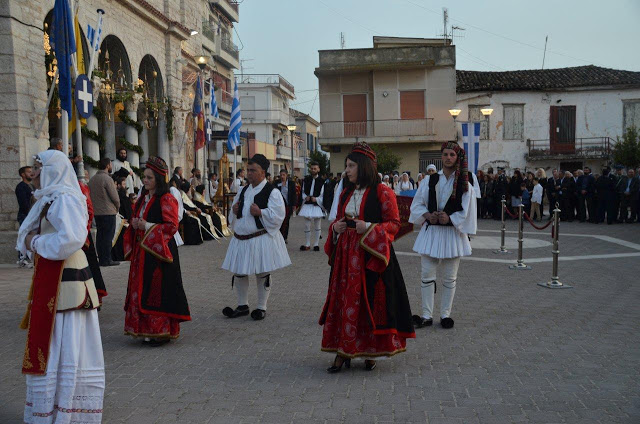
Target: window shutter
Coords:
[[412, 105]]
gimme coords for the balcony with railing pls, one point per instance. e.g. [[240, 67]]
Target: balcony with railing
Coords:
[[229, 8], [269, 79], [377, 128], [266, 116], [283, 152], [224, 99], [580, 148], [209, 31]]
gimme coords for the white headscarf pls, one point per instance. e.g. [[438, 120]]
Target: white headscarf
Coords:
[[432, 166], [56, 178]]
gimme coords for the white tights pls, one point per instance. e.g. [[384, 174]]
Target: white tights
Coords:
[[263, 283], [448, 287], [317, 223]]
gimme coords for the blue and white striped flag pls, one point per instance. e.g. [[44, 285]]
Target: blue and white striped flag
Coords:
[[236, 121], [213, 106], [471, 140], [94, 36]]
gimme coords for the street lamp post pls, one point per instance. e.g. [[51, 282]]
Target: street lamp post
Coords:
[[291, 128], [202, 64]]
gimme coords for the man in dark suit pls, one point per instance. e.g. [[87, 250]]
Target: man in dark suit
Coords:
[[588, 191], [288, 190], [567, 192], [629, 200], [552, 195], [499, 190], [605, 189], [621, 186], [327, 196], [581, 210]]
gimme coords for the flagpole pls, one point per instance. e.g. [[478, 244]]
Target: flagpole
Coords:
[[96, 41]]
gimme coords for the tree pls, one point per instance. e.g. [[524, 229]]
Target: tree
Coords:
[[387, 160], [322, 159], [626, 151]]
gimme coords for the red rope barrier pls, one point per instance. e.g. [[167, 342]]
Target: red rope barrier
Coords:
[[534, 225], [510, 214]]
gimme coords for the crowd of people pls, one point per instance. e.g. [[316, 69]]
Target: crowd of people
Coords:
[[366, 313]]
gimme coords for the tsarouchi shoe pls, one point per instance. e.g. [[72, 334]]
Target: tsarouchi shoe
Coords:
[[240, 311]]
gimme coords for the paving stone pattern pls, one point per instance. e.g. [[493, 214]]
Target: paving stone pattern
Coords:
[[518, 352]]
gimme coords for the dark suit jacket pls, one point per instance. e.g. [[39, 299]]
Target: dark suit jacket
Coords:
[[292, 198], [589, 184]]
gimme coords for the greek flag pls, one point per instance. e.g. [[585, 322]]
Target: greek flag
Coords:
[[236, 121], [213, 106], [471, 140], [94, 35]]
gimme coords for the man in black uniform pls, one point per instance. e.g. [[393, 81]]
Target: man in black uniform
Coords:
[[288, 190], [588, 191], [499, 190], [552, 195]]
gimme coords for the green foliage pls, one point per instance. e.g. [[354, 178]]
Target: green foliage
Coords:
[[322, 159], [626, 151], [94, 136], [387, 160], [131, 147], [98, 113], [139, 172], [90, 161], [128, 121]]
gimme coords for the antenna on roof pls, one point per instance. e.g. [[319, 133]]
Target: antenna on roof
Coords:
[[445, 18], [343, 43], [544, 55], [453, 33]]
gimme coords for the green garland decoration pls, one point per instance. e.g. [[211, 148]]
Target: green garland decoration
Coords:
[[94, 136], [169, 117], [131, 147], [128, 121], [90, 161], [98, 113]]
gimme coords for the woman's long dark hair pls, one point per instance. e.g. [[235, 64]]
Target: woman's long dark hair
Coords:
[[162, 187], [367, 172]]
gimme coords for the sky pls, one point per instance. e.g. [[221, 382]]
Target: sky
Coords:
[[284, 36]]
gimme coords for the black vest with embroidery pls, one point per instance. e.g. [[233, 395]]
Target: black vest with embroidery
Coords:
[[261, 199], [372, 210], [453, 205], [308, 180]]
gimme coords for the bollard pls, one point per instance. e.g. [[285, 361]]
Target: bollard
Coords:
[[555, 280], [502, 249], [519, 263]]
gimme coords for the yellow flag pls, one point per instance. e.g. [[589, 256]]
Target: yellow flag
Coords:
[[81, 70]]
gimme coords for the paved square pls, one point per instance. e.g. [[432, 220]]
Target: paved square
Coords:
[[518, 352]]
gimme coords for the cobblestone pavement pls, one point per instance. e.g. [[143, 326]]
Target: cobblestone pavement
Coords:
[[518, 352]]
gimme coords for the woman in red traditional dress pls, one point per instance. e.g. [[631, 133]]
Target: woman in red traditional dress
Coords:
[[367, 312], [156, 302]]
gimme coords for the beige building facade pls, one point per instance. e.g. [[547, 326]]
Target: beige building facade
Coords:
[[146, 70], [397, 94]]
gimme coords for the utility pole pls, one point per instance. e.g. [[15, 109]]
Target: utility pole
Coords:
[[544, 55]]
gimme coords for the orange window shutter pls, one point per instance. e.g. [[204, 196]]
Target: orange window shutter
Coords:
[[412, 105]]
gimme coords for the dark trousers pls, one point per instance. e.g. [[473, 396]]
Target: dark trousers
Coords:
[[591, 208], [284, 228], [628, 202], [552, 203], [607, 205], [581, 208], [106, 227]]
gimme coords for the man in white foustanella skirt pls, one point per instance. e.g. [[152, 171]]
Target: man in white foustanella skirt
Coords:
[[312, 209], [257, 246], [445, 206]]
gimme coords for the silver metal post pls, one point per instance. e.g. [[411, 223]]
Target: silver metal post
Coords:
[[555, 280], [520, 263], [503, 231]]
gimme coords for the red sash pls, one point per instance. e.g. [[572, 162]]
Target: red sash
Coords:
[[41, 314]]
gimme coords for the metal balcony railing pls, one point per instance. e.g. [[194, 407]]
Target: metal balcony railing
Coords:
[[267, 79], [377, 128], [229, 47], [226, 97], [583, 147], [208, 30]]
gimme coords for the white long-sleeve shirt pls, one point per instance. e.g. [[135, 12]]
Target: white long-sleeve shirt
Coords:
[[272, 216], [68, 216], [536, 197], [464, 221]]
